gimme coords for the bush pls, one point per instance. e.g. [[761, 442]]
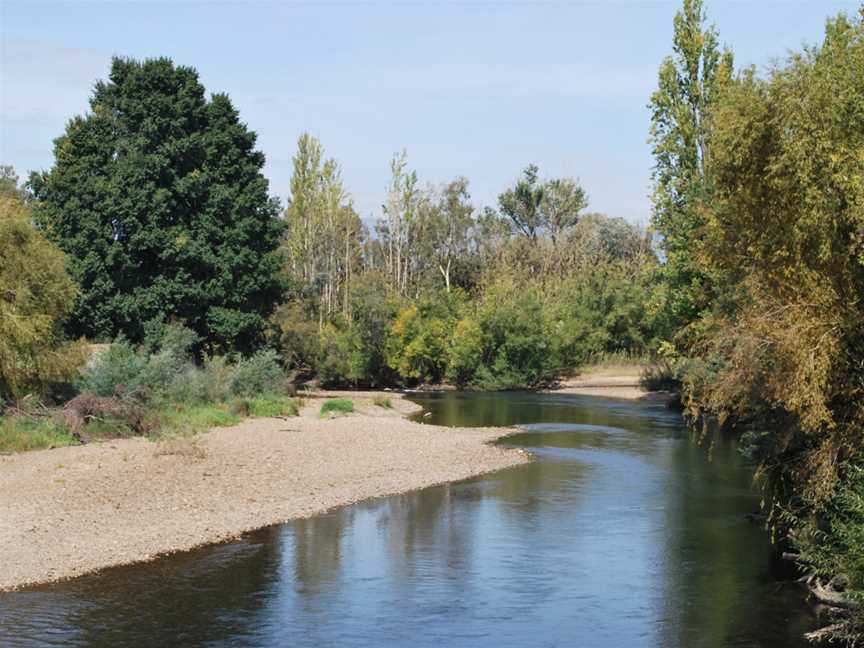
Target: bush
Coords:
[[258, 374], [117, 366], [208, 384], [337, 406], [466, 352]]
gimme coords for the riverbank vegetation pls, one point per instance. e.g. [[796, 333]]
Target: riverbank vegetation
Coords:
[[154, 233], [760, 204]]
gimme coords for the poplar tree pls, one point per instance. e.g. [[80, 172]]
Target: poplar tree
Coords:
[[689, 85]]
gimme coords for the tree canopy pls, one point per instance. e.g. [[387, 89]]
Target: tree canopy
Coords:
[[157, 197]]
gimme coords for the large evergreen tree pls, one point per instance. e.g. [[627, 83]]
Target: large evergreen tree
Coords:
[[157, 198]]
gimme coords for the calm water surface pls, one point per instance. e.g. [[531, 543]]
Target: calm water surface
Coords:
[[622, 534]]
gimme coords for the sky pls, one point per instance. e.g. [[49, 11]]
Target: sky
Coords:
[[474, 89]]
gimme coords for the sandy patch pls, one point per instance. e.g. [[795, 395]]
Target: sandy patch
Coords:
[[609, 382], [70, 511]]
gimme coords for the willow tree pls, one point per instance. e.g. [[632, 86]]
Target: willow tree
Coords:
[[690, 82], [36, 294], [158, 199]]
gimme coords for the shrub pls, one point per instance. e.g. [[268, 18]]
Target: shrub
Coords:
[[258, 374], [416, 346], [337, 406], [466, 352], [207, 384], [112, 412], [117, 366]]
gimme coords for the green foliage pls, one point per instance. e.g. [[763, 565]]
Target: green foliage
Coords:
[[117, 366], [518, 347], [466, 352], [417, 343], [337, 406], [261, 373], [533, 206], [690, 83], [169, 374], [836, 545], [36, 295], [157, 197], [352, 350], [781, 352], [269, 405], [192, 419]]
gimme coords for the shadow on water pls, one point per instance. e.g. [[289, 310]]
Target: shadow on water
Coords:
[[622, 533]]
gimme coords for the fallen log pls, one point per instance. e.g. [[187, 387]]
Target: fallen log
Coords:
[[827, 595]]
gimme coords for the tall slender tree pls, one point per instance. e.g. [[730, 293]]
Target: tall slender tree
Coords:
[[689, 85]]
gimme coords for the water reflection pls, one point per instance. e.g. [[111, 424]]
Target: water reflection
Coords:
[[621, 534]]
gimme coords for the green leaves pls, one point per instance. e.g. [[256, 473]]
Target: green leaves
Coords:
[[157, 196], [690, 83]]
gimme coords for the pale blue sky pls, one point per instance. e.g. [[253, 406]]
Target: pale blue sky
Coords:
[[478, 89]]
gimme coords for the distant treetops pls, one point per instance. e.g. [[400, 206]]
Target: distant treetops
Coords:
[[157, 198]]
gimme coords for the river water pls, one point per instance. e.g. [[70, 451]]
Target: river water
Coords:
[[623, 533]]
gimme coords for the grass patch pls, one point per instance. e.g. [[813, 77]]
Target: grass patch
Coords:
[[266, 405], [182, 419], [382, 401], [22, 433], [337, 406]]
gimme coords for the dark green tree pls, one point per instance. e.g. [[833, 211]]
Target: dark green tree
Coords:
[[158, 199]]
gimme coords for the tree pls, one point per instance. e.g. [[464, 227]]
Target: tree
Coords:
[[9, 182], [562, 201], [35, 295], [533, 206], [450, 231], [157, 197], [324, 235], [399, 229], [521, 204], [690, 83], [783, 344]]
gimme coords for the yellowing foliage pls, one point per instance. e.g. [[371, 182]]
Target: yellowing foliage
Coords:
[[35, 295]]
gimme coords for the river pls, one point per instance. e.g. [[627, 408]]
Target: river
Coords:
[[624, 533]]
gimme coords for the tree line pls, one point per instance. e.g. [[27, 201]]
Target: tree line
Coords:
[[759, 201], [156, 212]]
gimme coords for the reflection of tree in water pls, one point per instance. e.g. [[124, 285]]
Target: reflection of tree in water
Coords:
[[207, 595], [718, 589], [427, 524], [318, 548]]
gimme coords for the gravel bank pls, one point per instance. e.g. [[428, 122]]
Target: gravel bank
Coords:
[[70, 511]]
